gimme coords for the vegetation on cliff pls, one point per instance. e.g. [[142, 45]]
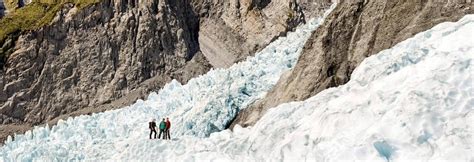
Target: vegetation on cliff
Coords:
[[30, 17]]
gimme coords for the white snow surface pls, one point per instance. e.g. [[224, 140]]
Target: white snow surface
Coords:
[[413, 102]]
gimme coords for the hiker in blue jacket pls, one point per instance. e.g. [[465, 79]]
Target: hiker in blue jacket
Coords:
[[162, 129]]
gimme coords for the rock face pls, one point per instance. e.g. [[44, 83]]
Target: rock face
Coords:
[[109, 54], [355, 30], [233, 30], [94, 56], [3, 9]]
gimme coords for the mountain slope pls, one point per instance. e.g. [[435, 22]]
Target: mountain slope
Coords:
[[413, 101], [204, 105], [354, 31], [110, 54]]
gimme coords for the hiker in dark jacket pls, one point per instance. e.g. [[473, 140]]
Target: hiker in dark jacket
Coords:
[[167, 132], [152, 126], [162, 129]]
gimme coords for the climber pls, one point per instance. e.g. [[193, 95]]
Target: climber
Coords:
[[152, 126], [162, 129], [167, 132]]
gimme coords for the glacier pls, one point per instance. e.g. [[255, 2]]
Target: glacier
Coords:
[[412, 102], [205, 105]]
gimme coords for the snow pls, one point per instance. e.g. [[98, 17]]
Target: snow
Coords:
[[413, 102]]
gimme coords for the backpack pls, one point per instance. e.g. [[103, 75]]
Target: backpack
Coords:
[[151, 125]]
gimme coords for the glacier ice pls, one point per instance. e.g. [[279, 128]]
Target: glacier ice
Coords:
[[204, 105], [384, 149], [413, 102]]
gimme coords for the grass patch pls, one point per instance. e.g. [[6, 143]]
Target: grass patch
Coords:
[[35, 15], [22, 19], [31, 17]]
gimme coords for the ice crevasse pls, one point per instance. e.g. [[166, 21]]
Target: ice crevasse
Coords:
[[413, 101]]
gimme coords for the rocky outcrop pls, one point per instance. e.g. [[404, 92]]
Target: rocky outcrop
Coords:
[[233, 30], [353, 31], [3, 9], [95, 55], [309, 6], [107, 55]]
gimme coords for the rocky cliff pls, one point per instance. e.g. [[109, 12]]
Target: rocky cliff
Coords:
[[3, 9], [355, 30], [109, 54], [233, 30], [92, 56]]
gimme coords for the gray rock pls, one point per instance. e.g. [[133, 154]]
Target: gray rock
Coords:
[[3, 9], [353, 31], [232, 30], [93, 56]]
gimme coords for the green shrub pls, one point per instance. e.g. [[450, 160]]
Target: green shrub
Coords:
[[31, 17]]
